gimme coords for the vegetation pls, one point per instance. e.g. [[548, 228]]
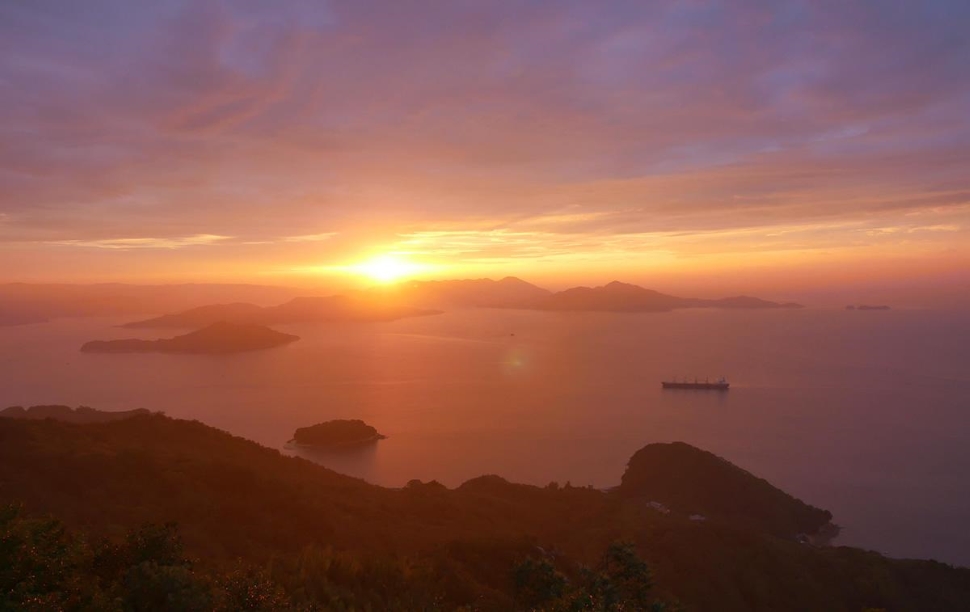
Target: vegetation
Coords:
[[254, 521], [671, 472], [621, 581], [338, 432], [81, 414], [46, 567]]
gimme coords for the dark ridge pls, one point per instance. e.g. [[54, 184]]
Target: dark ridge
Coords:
[[82, 414]]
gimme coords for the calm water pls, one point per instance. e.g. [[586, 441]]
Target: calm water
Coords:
[[864, 414]]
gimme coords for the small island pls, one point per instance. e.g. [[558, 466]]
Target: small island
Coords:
[[339, 433], [218, 338], [866, 307]]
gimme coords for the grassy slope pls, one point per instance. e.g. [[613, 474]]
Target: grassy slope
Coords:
[[236, 499]]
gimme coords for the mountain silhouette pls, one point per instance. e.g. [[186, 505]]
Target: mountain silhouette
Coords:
[[624, 297]]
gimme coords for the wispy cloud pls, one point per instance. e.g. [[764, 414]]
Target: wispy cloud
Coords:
[[144, 243], [310, 237]]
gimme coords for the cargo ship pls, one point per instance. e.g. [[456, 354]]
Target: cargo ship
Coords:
[[705, 385]]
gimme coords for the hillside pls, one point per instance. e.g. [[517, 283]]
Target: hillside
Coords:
[[234, 499], [221, 337], [81, 414], [695, 482]]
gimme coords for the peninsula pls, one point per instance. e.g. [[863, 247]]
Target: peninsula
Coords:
[[624, 297]]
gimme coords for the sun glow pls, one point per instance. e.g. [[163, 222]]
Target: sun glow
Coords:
[[387, 268]]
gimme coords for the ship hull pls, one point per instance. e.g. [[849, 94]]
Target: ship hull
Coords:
[[700, 386]]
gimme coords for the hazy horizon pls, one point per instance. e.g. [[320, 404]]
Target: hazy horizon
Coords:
[[917, 293]]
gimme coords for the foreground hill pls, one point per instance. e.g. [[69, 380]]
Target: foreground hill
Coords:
[[81, 414], [623, 297], [332, 309], [219, 337], [341, 543]]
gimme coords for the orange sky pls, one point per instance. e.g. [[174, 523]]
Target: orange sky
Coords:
[[790, 149]]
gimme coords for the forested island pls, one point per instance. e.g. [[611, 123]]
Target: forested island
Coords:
[[221, 337], [426, 298], [156, 508], [339, 433]]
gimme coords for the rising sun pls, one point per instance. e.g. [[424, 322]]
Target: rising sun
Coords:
[[387, 268]]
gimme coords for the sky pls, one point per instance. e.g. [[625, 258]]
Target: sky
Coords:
[[778, 146]]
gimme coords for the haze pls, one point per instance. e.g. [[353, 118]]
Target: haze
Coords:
[[520, 305]]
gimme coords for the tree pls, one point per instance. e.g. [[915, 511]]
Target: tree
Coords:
[[620, 582]]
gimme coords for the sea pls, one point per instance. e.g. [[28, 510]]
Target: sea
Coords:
[[863, 413]]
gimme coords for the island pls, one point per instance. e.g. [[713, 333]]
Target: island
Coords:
[[867, 307], [624, 297], [339, 433], [217, 338]]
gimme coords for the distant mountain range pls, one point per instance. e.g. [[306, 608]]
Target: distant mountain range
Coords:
[[220, 337], [509, 292], [22, 303], [337, 308], [623, 297], [421, 298]]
